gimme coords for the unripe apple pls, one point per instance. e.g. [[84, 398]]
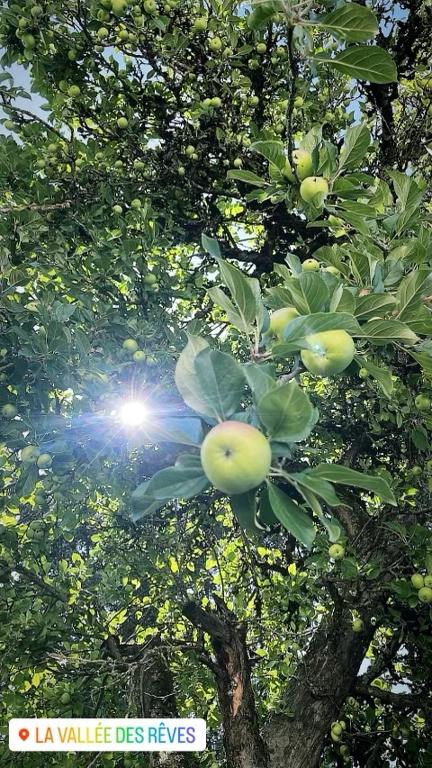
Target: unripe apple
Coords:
[[130, 345], [190, 149], [416, 471], [150, 279], [428, 581], [29, 454], [281, 52], [215, 44], [238, 162], [44, 461], [200, 24], [9, 411], [310, 265], [118, 7], [136, 204], [336, 551], [181, 170], [363, 373], [122, 122], [236, 457], [279, 321], [139, 356], [330, 352], [298, 101], [150, 6], [261, 48], [102, 32], [357, 625], [74, 91], [336, 728], [117, 209], [425, 595], [216, 102], [304, 164], [422, 402], [314, 189], [254, 101], [139, 165], [417, 580]]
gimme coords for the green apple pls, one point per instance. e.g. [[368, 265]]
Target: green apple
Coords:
[[181, 170], [74, 91], [314, 189], [236, 457], [122, 122], [428, 581], [30, 454], [425, 595], [298, 101], [118, 7], [9, 411], [102, 32], [238, 162], [261, 48], [65, 698], [136, 203], [200, 24], [357, 625], [336, 551], [150, 6], [363, 373], [150, 279], [417, 580], [117, 209], [139, 356], [279, 321], [330, 352], [334, 736], [303, 162], [422, 402], [417, 471], [139, 165], [310, 265], [215, 44], [130, 345], [216, 102], [44, 461], [190, 150], [336, 728]]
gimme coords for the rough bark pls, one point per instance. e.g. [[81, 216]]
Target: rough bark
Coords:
[[316, 694], [244, 746]]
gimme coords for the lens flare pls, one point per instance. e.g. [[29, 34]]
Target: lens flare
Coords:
[[133, 413]]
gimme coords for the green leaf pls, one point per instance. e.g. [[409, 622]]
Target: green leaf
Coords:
[[292, 516], [373, 305], [336, 473], [185, 376], [287, 413], [266, 515], [355, 146], [318, 322], [144, 504], [273, 151], [29, 475], [221, 300], [419, 436], [378, 372], [363, 62], [262, 14], [219, 384], [384, 331], [245, 510], [318, 486], [184, 431], [314, 290], [211, 246], [248, 178], [260, 381], [245, 293], [178, 482], [410, 290], [351, 21]]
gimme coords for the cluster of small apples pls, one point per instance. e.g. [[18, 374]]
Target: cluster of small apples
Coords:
[[337, 729], [423, 585], [329, 352], [130, 346], [135, 205], [31, 454]]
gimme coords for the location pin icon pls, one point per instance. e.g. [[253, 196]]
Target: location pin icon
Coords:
[[23, 733]]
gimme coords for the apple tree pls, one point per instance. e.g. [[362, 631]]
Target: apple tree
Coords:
[[215, 376]]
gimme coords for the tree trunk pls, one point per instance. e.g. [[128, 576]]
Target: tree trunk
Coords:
[[243, 744]]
